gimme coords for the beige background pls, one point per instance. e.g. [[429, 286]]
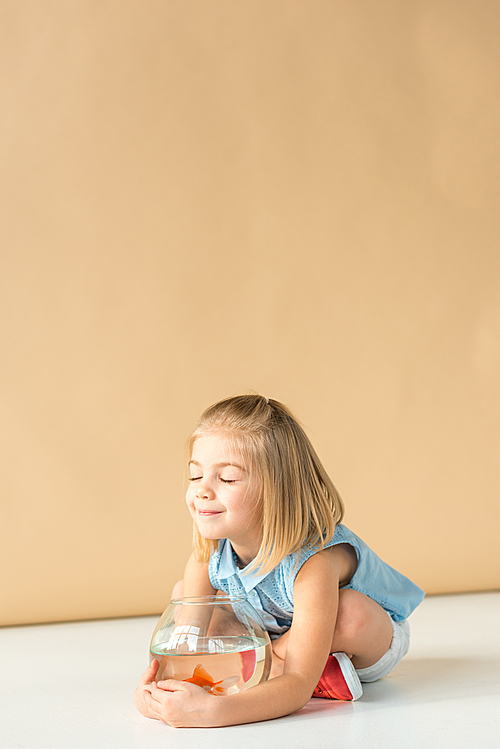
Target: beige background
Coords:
[[297, 197]]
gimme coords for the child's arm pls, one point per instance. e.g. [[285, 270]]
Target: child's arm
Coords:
[[196, 579], [315, 612], [196, 583]]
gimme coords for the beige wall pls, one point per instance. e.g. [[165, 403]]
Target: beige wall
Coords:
[[200, 198]]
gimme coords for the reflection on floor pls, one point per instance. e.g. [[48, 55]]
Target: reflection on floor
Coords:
[[70, 685]]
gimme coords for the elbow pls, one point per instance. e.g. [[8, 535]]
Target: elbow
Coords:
[[304, 689]]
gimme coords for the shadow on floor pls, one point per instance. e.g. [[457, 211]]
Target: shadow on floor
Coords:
[[430, 679], [316, 708]]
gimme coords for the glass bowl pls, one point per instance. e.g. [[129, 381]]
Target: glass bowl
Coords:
[[217, 642]]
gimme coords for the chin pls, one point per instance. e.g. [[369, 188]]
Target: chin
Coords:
[[209, 536]]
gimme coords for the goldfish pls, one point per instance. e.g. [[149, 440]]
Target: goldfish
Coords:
[[202, 678]]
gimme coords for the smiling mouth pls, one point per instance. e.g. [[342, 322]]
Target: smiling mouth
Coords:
[[208, 513]]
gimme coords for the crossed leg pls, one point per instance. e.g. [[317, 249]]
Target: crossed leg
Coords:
[[363, 631]]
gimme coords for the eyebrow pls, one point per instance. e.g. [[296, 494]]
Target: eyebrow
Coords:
[[219, 465]]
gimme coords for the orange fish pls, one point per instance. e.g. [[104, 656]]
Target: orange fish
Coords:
[[202, 678]]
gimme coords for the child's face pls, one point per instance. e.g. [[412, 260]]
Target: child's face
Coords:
[[222, 496]]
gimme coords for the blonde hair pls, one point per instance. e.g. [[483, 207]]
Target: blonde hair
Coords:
[[299, 503]]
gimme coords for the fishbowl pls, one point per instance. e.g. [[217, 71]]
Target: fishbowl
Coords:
[[217, 642]]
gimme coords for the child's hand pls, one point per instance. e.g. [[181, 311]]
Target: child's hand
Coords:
[[145, 684], [180, 704]]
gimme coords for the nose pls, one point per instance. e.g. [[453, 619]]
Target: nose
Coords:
[[204, 490]]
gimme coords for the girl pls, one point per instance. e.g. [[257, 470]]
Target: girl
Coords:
[[267, 523]]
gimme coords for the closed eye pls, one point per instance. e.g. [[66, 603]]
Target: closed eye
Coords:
[[194, 478], [228, 481]]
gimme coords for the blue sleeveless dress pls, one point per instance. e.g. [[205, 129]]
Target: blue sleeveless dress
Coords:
[[272, 593]]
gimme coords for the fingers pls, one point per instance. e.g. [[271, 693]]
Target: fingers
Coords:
[[152, 706], [149, 673], [153, 692], [178, 703], [170, 685], [154, 665], [156, 700], [161, 702]]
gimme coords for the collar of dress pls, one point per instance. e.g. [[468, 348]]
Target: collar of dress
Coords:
[[228, 568]]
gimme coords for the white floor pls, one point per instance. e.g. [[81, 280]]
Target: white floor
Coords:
[[70, 685]]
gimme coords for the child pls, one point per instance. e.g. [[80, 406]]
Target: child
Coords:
[[267, 523]]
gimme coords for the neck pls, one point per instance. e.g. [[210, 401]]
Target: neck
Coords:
[[244, 554]]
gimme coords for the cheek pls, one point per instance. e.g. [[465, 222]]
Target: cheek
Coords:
[[251, 501], [190, 499], [249, 508]]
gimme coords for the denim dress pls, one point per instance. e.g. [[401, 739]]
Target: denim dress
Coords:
[[271, 594]]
